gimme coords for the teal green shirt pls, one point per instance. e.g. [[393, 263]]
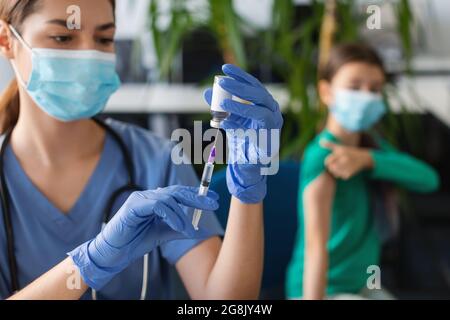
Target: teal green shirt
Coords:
[[353, 244]]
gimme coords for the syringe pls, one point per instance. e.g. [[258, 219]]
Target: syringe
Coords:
[[204, 184]]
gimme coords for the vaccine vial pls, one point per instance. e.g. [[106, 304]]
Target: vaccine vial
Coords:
[[219, 95]]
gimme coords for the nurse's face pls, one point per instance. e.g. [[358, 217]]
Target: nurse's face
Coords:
[[47, 28]]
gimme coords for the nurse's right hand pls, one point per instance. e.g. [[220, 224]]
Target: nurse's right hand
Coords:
[[146, 220]]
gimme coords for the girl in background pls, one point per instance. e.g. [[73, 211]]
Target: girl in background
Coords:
[[336, 240]]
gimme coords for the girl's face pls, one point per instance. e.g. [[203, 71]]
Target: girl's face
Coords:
[[47, 28], [353, 76]]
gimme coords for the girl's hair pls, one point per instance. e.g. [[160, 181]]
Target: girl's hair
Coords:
[[347, 53], [14, 12]]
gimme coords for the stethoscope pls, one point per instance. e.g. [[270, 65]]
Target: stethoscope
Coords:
[[130, 186]]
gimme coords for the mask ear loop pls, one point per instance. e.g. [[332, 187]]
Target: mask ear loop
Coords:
[[13, 64]]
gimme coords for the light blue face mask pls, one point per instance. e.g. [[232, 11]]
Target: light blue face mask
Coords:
[[357, 110], [70, 85]]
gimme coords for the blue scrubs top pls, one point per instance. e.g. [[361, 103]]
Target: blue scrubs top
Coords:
[[43, 234]]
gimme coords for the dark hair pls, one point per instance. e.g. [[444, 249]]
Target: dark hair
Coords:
[[346, 53], [14, 12]]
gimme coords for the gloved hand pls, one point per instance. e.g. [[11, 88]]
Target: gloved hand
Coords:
[[146, 220], [245, 180]]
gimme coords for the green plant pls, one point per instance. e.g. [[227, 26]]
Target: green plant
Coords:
[[222, 21], [226, 25], [290, 48], [405, 19], [405, 125], [295, 50], [167, 42]]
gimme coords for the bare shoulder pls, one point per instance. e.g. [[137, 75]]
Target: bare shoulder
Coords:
[[322, 187]]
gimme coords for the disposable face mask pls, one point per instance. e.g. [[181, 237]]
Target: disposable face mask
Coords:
[[70, 85], [357, 110]]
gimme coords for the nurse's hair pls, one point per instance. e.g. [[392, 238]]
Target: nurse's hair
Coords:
[[349, 53], [15, 12]]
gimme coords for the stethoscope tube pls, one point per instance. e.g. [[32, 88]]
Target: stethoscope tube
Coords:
[[4, 199]]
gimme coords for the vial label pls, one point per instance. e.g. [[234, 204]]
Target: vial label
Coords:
[[219, 95]]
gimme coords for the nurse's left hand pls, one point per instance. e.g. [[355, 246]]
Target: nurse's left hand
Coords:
[[146, 220], [245, 179]]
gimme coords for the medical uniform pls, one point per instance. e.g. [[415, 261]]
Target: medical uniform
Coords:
[[44, 234]]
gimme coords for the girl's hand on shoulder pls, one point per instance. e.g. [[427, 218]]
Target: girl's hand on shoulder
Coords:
[[345, 162]]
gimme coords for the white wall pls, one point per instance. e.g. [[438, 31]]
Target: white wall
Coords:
[[6, 73], [434, 23], [131, 18]]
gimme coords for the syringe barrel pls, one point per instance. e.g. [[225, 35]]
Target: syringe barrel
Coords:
[[203, 191], [207, 176]]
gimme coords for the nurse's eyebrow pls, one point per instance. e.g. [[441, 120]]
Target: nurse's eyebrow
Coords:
[[103, 27], [106, 26], [59, 22]]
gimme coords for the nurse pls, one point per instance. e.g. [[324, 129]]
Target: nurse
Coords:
[[64, 175]]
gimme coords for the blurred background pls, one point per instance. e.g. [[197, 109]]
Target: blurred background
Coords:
[[169, 51]]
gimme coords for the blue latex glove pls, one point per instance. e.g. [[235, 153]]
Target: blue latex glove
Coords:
[[244, 178], [146, 220]]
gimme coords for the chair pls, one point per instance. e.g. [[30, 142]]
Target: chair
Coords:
[[280, 223]]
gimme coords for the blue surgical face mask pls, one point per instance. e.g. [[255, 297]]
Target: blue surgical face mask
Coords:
[[70, 85], [357, 110]]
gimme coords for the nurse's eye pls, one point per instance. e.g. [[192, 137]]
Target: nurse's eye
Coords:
[[61, 39], [105, 41], [354, 87], [375, 90]]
